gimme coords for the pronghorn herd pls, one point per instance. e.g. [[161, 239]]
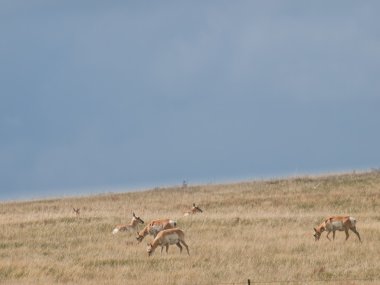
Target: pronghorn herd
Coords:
[[164, 231]]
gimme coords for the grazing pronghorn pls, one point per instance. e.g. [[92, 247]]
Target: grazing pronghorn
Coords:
[[194, 210], [76, 211], [336, 223], [166, 238], [129, 227], [154, 227]]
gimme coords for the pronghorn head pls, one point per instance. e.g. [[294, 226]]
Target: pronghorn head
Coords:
[[196, 209], [76, 211], [149, 249], [137, 219], [318, 232]]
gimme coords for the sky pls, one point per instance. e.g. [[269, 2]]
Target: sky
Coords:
[[103, 96]]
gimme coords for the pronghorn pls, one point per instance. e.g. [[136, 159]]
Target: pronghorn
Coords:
[[336, 223], [166, 238], [154, 227], [76, 211], [129, 227], [194, 210]]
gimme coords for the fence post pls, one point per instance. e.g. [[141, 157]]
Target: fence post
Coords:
[[249, 282]]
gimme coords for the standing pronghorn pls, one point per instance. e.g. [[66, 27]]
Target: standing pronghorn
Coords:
[[166, 238], [154, 227], [336, 223], [194, 210], [133, 225]]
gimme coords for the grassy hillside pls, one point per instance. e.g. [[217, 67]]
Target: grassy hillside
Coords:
[[262, 230]]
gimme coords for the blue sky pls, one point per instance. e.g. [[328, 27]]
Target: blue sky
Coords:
[[103, 95]]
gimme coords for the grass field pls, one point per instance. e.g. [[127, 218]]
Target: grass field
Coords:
[[261, 230]]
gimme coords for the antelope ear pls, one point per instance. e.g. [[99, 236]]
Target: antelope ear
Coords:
[[315, 230]]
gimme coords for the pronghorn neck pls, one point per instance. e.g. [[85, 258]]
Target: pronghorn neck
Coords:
[[321, 228], [134, 222], [143, 233], [154, 244]]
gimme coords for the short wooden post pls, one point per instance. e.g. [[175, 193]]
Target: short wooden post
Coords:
[[249, 281]]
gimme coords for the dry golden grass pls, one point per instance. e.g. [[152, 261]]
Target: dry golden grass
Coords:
[[262, 230]]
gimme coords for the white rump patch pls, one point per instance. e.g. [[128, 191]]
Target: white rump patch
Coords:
[[115, 231]]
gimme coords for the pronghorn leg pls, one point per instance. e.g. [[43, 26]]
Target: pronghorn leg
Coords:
[[166, 246], [357, 233], [180, 247], [328, 236], [333, 235], [162, 248], [347, 235], [187, 248]]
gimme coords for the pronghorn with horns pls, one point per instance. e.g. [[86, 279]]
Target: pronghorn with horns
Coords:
[[154, 227], [195, 209], [336, 223], [132, 226]]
